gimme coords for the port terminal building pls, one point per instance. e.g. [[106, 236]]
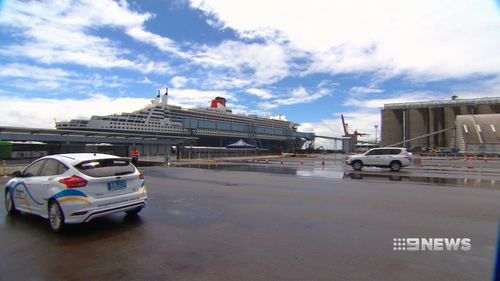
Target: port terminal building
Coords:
[[471, 125], [30, 143]]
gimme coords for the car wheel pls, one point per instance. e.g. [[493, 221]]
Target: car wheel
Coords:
[[133, 212], [395, 166], [357, 165], [10, 207], [56, 217]]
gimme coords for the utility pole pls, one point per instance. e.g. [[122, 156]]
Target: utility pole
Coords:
[[376, 130]]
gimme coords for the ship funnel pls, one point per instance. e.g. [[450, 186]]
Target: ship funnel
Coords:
[[164, 98], [157, 98], [218, 102]]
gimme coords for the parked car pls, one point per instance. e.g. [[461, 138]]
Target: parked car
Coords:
[[76, 188], [443, 151], [392, 157]]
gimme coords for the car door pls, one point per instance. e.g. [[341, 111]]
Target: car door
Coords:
[[371, 157], [22, 187], [392, 154], [39, 188], [382, 157]]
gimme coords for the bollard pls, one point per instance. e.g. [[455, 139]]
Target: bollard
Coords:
[[4, 169], [301, 162], [267, 161], [323, 163], [281, 162]]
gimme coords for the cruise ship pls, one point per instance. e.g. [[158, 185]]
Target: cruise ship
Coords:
[[213, 126]]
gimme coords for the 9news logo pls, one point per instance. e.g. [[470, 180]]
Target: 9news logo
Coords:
[[431, 244]]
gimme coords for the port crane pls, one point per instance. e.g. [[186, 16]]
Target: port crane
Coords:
[[354, 135]]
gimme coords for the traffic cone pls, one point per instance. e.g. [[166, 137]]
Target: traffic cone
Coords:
[[4, 169], [470, 164]]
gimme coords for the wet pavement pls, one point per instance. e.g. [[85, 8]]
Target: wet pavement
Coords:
[[336, 170], [204, 224]]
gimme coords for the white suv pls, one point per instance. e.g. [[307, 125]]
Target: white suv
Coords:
[[392, 157]]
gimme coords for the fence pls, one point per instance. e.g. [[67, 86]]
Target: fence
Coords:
[[217, 152]]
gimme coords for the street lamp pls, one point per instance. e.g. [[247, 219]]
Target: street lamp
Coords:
[[376, 130]]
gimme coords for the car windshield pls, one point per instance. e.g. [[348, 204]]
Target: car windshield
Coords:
[[106, 167]]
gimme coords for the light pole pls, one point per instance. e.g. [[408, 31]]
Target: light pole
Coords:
[[376, 130]]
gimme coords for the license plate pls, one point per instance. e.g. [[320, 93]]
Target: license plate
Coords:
[[114, 185]]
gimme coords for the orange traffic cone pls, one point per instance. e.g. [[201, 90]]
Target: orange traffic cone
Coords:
[[470, 162]]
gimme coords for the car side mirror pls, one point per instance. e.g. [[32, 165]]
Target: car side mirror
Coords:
[[16, 174]]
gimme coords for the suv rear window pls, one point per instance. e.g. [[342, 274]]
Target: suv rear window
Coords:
[[106, 167]]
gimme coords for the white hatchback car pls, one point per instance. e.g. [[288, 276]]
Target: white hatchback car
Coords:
[[76, 188], [392, 157]]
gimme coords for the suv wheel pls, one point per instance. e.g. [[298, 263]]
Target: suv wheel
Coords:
[[357, 165], [395, 166]]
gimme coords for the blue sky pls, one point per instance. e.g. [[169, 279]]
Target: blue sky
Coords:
[[309, 61]]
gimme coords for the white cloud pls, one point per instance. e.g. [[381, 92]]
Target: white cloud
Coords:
[[263, 94], [35, 77], [162, 43], [40, 112], [145, 81], [427, 40], [223, 81], [365, 90], [297, 96], [266, 62], [190, 98], [179, 81], [19, 70], [64, 32]]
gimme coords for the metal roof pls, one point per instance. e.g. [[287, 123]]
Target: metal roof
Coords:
[[439, 103], [53, 135]]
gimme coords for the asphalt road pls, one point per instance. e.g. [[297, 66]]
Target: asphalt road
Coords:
[[220, 225]]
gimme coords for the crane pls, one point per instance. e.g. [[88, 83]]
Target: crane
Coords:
[[346, 130]]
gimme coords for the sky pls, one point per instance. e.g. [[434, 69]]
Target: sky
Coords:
[[306, 61]]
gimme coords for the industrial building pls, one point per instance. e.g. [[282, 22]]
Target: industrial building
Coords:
[[435, 124]]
